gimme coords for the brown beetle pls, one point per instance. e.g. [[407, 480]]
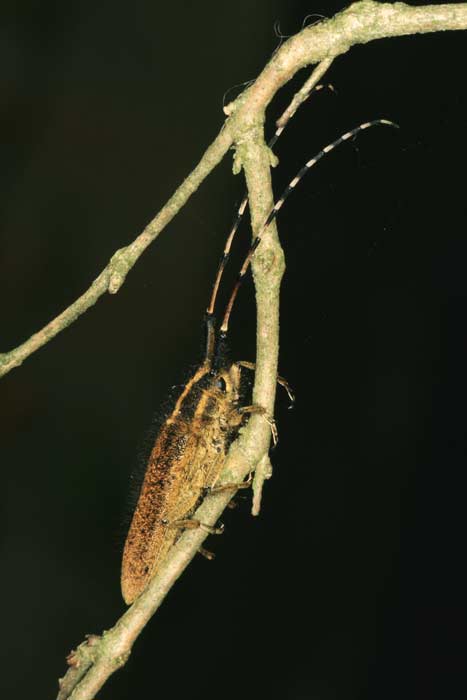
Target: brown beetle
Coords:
[[186, 460], [189, 452]]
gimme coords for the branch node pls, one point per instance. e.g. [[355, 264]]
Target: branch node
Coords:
[[119, 661], [229, 109], [92, 639], [273, 159], [242, 152], [119, 266], [237, 162], [73, 659], [262, 472]]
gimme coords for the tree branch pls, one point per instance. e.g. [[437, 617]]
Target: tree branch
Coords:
[[358, 24], [113, 275], [98, 657]]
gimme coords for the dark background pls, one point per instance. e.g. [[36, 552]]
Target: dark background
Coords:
[[351, 582]]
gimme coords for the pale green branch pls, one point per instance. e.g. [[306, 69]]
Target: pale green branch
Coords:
[[360, 23], [97, 658]]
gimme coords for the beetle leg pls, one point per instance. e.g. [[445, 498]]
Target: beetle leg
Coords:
[[193, 524], [228, 487], [206, 553], [254, 408], [280, 380]]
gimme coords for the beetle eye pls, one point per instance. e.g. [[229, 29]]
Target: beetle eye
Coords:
[[220, 384]]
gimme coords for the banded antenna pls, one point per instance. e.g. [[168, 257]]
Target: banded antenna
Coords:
[[282, 123], [274, 211]]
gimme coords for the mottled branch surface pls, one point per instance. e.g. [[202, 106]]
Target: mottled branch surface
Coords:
[[358, 24], [99, 656]]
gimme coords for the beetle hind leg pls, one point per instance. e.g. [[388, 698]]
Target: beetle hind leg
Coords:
[[206, 553], [210, 490]]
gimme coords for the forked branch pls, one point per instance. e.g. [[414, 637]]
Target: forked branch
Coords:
[[319, 43], [99, 656]]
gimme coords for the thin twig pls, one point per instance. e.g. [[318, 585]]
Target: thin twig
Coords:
[[113, 275], [360, 23], [302, 95]]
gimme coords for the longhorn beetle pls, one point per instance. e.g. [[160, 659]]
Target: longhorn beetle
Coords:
[[190, 449]]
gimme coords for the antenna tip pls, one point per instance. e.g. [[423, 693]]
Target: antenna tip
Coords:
[[389, 123]]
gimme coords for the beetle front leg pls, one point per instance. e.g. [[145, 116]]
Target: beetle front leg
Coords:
[[194, 524], [280, 380]]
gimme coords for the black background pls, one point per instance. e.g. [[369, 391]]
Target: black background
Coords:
[[351, 583]]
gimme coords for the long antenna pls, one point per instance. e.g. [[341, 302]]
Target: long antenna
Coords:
[[282, 123], [273, 213]]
